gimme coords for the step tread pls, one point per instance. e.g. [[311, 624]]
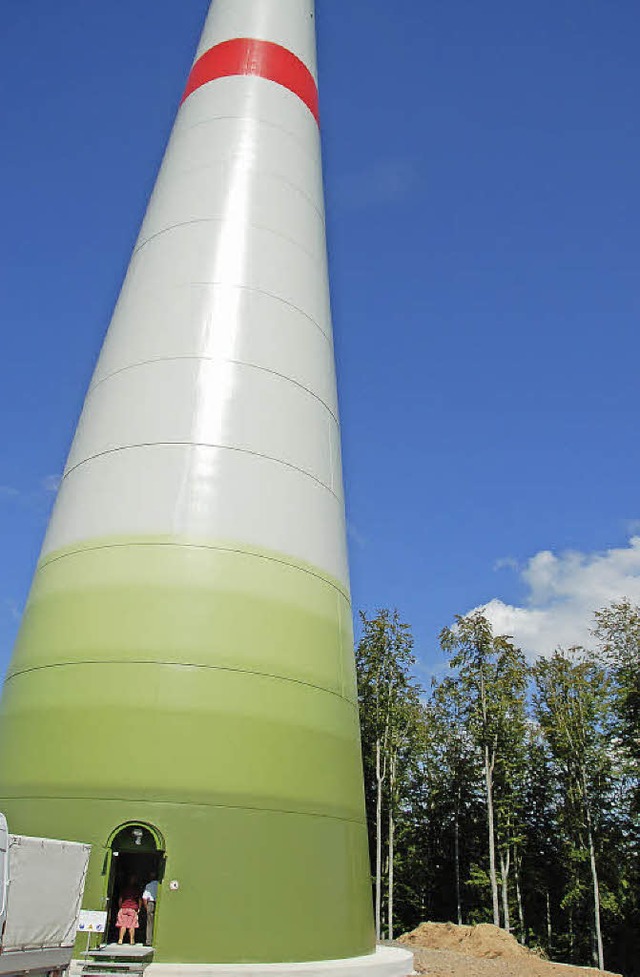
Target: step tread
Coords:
[[137, 965], [108, 965], [105, 972]]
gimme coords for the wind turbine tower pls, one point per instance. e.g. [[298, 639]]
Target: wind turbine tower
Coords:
[[182, 693]]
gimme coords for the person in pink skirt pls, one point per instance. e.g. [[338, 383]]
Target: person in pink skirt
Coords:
[[128, 909]]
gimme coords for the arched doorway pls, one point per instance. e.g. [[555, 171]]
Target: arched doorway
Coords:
[[135, 856]]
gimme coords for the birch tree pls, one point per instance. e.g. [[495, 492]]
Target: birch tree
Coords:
[[510, 778], [506, 789], [454, 757], [617, 630], [403, 748], [384, 659], [491, 673], [541, 856], [571, 698]]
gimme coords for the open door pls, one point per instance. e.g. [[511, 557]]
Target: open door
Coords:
[[135, 857]]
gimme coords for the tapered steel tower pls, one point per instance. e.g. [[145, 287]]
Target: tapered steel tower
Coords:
[[185, 666]]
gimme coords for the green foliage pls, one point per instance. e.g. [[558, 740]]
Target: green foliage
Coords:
[[617, 630], [391, 732], [490, 677], [553, 749]]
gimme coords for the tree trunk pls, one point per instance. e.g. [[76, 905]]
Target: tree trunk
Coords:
[[392, 784], [456, 846], [596, 888], [571, 937], [549, 931], [379, 780], [505, 862], [516, 876], [488, 777]]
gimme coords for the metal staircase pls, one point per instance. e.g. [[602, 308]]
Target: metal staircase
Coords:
[[115, 960]]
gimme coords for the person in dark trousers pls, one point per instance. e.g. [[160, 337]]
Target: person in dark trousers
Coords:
[[149, 899]]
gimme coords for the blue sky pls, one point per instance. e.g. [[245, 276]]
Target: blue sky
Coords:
[[483, 205]]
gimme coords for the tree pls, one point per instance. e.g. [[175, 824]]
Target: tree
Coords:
[[571, 698], [541, 855], [388, 702], [507, 787], [492, 678], [617, 629], [406, 731], [453, 780]]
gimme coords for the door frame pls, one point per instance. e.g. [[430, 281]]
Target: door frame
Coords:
[[107, 865]]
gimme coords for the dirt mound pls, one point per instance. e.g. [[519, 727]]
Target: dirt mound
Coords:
[[447, 950], [483, 940]]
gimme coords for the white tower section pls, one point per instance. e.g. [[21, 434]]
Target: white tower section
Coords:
[[225, 307]]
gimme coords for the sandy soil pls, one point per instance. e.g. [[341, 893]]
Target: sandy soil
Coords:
[[446, 950]]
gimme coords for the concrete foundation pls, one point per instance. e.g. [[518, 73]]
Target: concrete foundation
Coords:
[[387, 961]]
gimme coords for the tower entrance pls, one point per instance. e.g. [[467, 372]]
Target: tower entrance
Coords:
[[135, 860]]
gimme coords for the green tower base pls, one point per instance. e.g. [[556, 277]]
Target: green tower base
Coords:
[[207, 695]]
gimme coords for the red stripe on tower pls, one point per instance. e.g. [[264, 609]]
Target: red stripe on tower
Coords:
[[249, 56]]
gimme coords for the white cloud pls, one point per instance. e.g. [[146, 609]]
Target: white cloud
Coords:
[[563, 593]]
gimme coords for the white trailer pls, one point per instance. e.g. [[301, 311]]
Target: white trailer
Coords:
[[41, 889]]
